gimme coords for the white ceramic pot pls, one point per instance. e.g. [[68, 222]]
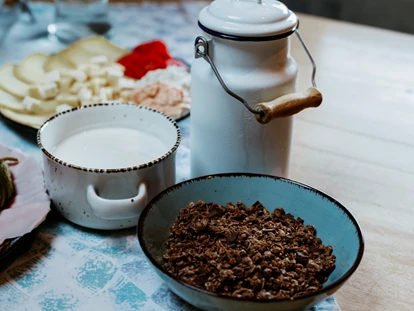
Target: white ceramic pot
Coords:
[[107, 197]]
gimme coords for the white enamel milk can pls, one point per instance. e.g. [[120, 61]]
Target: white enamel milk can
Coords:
[[243, 88]]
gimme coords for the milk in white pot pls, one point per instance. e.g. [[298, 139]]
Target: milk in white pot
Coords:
[[110, 148]]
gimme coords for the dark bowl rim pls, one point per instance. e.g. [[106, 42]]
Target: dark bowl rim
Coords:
[[323, 290], [112, 105]]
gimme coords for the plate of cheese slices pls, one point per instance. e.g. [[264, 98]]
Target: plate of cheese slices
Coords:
[[94, 70]]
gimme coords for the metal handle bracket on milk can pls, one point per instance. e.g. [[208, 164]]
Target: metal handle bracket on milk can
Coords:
[[284, 106]]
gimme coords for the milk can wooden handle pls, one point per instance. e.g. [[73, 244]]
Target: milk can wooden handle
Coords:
[[288, 105]]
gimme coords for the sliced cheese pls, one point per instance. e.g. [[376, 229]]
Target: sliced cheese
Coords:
[[10, 102], [31, 69], [44, 91], [9, 82], [68, 99], [53, 76], [57, 62], [14, 103], [35, 106], [100, 59], [64, 84], [47, 106], [100, 46], [63, 107], [84, 50], [76, 55], [30, 120], [31, 104]]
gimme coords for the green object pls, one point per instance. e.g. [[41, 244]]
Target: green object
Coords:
[[6, 182]]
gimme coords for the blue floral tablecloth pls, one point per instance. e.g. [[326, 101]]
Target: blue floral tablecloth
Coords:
[[65, 267]]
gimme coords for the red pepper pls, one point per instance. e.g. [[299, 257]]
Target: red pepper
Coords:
[[136, 65], [146, 57], [153, 47]]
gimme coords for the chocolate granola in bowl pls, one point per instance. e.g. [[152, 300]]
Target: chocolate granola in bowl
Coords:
[[247, 252]]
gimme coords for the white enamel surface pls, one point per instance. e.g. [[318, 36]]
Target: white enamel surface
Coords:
[[117, 209], [68, 186], [225, 136], [248, 18], [110, 147]]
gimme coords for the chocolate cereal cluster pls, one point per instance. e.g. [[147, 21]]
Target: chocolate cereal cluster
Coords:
[[247, 252]]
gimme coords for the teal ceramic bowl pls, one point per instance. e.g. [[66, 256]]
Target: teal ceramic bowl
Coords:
[[333, 222]]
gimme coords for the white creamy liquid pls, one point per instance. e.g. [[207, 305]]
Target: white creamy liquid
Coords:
[[110, 148]]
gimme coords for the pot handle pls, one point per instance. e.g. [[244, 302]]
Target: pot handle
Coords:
[[284, 106], [117, 209], [288, 105]]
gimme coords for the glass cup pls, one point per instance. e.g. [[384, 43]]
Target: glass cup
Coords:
[[76, 19], [8, 16]]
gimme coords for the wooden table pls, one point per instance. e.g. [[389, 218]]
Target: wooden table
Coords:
[[359, 147]]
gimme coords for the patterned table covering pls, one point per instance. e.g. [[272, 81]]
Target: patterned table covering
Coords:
[[66, 267]]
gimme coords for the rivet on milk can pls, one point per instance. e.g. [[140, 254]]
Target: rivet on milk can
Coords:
[[243, 88]]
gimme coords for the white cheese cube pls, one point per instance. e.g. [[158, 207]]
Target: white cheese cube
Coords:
[[78, 75], [95, 84], [36, 92], [96, 100], [108, 93], [30, 103], [68, 99], [64, 84], [91, 101], [50, 90], [100, 59], [126, 83], [83, 67], [44, 91], [102, 95], [84, 94], [63, 107], [125, 95], [96, 73], [118, 67], [75, 88], [53, 76], [64, 72], [92, 70], [105, 94], [113, 75]]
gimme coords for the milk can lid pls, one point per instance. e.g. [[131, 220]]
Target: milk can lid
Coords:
[[238, 19]]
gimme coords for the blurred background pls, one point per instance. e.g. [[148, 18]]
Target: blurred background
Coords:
[[393, 15], [389, 14]]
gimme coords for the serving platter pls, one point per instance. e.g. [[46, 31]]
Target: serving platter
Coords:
[[18, 82]]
